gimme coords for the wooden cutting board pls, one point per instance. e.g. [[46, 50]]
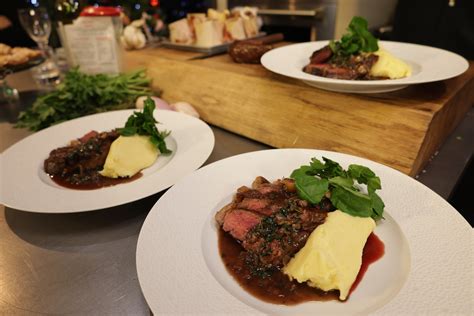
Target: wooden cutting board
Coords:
[[400, 129]]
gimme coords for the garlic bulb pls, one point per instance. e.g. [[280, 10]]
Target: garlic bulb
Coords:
[[133, 37]]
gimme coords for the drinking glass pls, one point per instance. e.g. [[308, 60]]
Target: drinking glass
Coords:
[[37, 24]]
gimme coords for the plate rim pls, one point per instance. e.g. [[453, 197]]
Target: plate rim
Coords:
[[362, 83], [154, 214], [118, 118]]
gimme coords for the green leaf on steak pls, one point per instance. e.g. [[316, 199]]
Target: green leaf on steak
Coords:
[[357, 39], [328, 178]]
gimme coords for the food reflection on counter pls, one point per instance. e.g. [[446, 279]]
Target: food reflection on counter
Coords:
[[107, 158], [215, 28], [302, 238], [356, 56]]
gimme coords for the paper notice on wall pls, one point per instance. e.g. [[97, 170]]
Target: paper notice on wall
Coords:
[[93, 45]]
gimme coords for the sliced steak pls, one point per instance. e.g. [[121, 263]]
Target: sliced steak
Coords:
[[82, 159], [270, 221], [321, 55], [331, 71], [353, 67], [239, 222], [278, 237]]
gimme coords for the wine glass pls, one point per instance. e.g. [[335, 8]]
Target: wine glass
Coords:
[[37, 24]]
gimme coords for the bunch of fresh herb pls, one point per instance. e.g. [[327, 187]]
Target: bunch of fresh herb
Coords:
[[357, 39], [143, 123], [81, 94], [328, 178]]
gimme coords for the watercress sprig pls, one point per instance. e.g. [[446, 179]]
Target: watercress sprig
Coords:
[[328, 178], [143, 123], [357, 39]]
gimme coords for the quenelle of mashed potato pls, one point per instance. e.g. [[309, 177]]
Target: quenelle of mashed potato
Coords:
[[332, 255], [389, 66], [128, 155]]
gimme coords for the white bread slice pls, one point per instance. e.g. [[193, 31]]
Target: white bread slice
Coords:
[[251, 26], [180, 32], [209, 33], [235, 28], [216, 15]]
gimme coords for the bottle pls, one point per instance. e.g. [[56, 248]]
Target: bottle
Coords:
[[92, 37], [67, 10]]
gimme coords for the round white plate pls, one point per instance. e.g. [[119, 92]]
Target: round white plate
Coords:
[[25, 185], [426, 269], [428, 64]]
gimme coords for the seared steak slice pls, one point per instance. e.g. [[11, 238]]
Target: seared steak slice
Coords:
[[330, 71], [270, 221], [239, 222], [81, 157], [321, 55], [263, 198], [278, 237], [354, 67]]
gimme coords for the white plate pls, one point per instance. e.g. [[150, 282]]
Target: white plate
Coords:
[[428, 64], [27, 187], [426, 269]]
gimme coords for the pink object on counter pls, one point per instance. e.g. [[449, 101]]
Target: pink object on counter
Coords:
[[186, 108], [159, 103]]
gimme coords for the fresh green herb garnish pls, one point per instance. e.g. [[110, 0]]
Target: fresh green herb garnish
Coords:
[[81, 94], [315, 180], [357, 39], [143, 123]]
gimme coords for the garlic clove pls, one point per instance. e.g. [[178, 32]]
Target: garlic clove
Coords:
[[186, 108]]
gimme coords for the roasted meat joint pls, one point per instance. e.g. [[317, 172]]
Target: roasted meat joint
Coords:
[[276, 243]]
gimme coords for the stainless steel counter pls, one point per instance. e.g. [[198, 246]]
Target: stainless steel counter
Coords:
[[84, 263]]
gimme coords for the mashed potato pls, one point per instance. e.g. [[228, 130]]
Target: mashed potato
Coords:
[[332, 255], [389, 66], [129, 155]]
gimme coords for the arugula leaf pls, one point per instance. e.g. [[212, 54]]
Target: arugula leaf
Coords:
[[377, 206], [311, 189], [144, 123], [357, 39], [366, 176], [351, 202], [300, 172], [313, 181], [342, 182]]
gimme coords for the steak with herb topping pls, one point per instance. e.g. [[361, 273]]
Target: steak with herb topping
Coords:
[[271, 222], [80, 161], [353, 67]]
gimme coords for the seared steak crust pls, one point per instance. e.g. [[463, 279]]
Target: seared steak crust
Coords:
[[271, 222], [80, 161], [354, 67]]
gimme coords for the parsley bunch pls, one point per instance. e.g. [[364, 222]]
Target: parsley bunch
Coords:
[[357, 39], [143, 123], [81, 94], [313, 181]]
